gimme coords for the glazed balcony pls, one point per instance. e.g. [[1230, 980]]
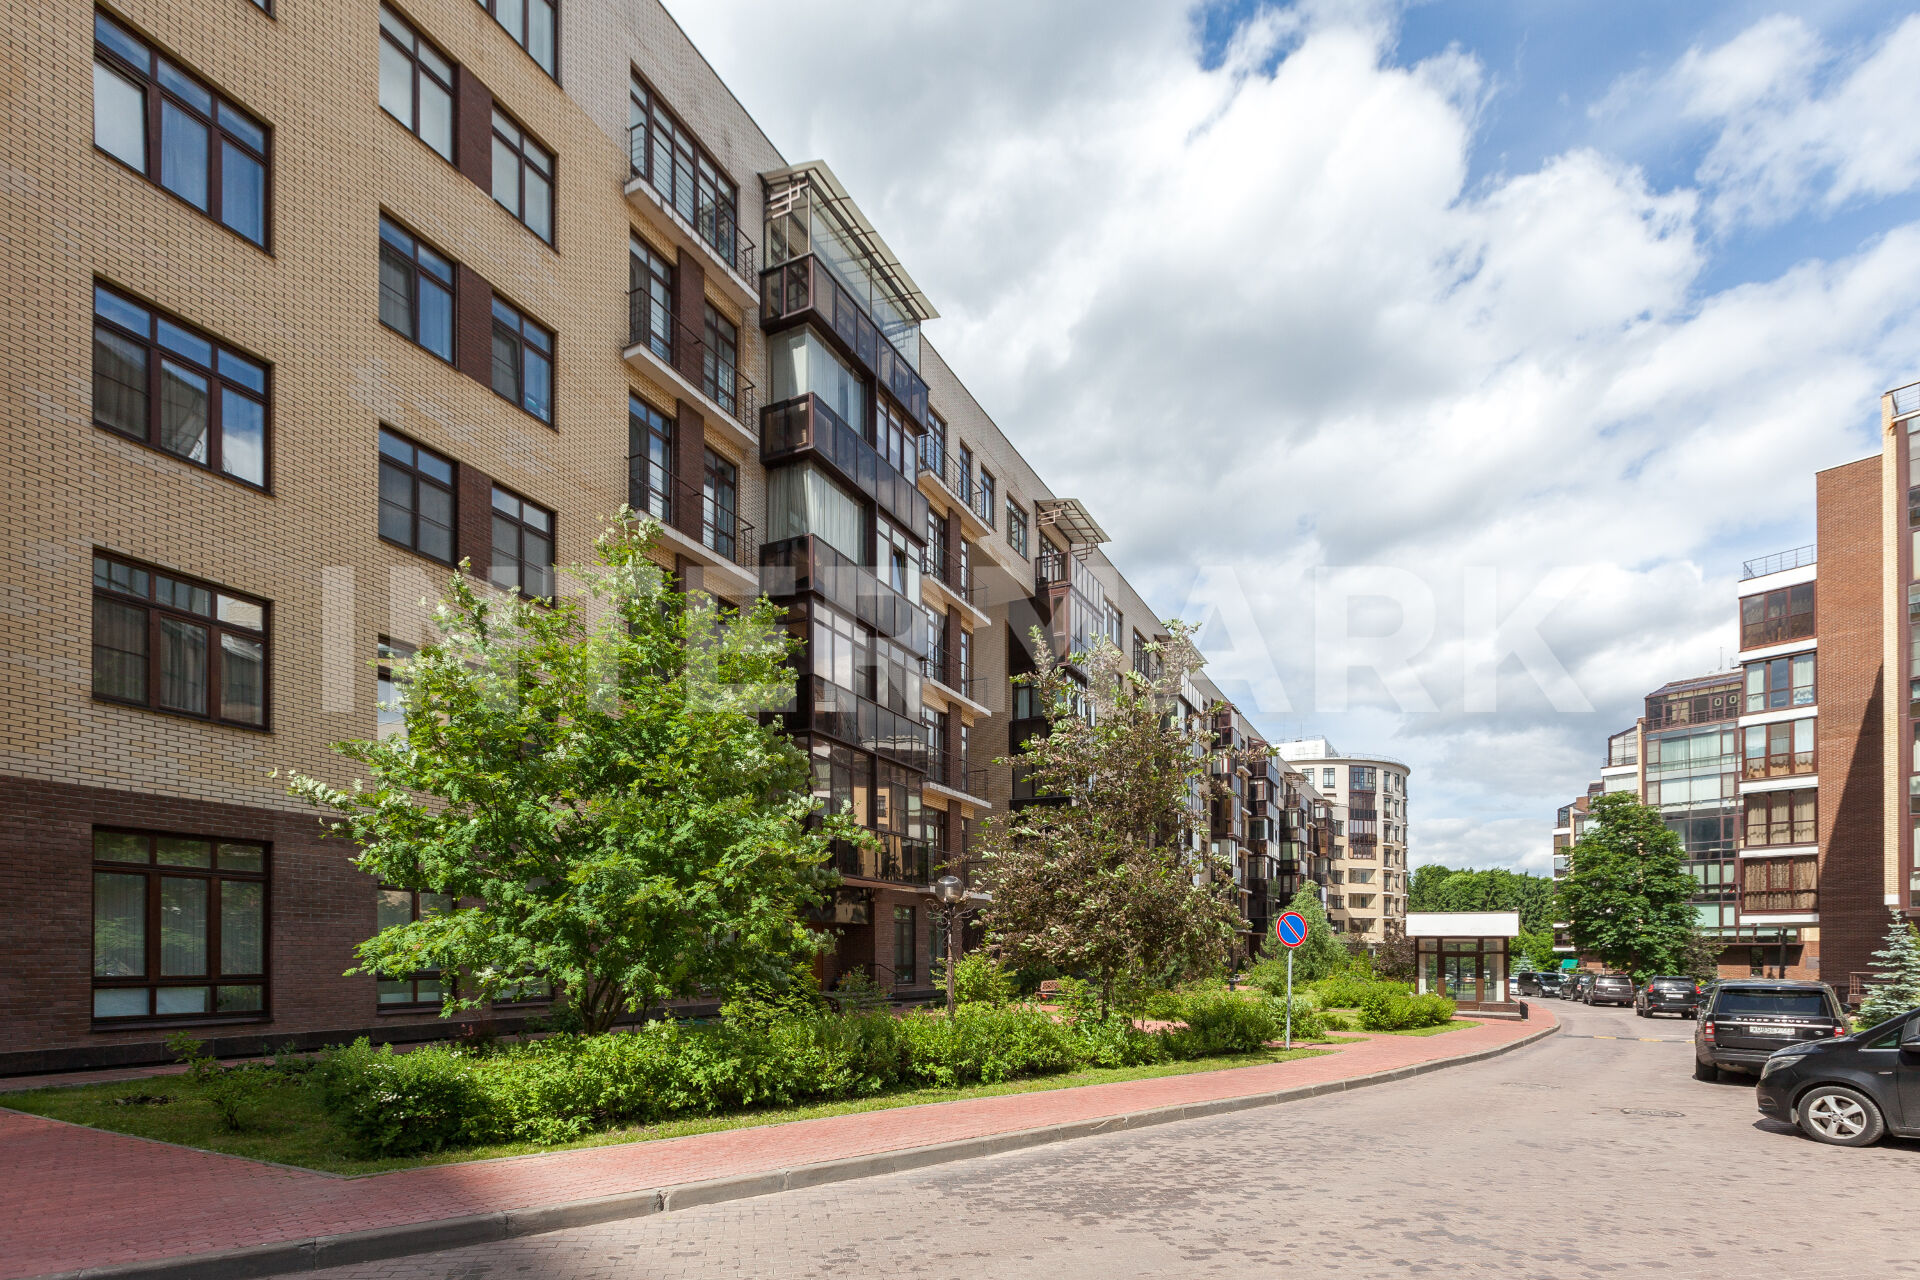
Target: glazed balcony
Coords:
[[897, 860], [832, 712], [802, 290], [808, 566], [805, 427]]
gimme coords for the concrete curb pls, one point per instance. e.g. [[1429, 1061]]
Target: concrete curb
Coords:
[[320, 1252]]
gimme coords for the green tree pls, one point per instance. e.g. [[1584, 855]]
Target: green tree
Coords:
[[1322, 955], [1537, 949], [1896, 975], [1112, 876], [1437, 888], [592, 782], [1627, 897], [1423, 887], [1701, 958]]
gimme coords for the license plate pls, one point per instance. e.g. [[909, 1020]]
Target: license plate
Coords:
[[1768, 1029]]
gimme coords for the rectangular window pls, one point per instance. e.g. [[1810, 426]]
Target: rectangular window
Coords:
[[416, 497], [1774, 617], [1778, 750], [720, 360], [173, 388], [416, 290], [166, 124], [1781, 818], [534, 27], [523, 361], [984, 500], [649, 299], [687, 179], [719, 506], [179, 926], [1361, 778], [903, 946], [522, 546], [416, 83], [1780, 683], [965, 457], [400, 907], [1017, 528], [177, 645], [649, 460], [390, 711], [522, 176]]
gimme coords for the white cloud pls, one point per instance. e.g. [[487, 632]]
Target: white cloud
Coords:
[[1272, 312]]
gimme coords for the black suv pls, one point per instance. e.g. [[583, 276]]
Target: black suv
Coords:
[[1577, 986], [1849, 1091], [1609, 988], [1543, 984], [1552, 985], [1668, 995], [1746, 1019]]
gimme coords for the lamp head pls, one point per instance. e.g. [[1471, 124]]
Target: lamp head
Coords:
[[949, 890]]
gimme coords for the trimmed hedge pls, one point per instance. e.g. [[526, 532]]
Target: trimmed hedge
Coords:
[[567, 1086]]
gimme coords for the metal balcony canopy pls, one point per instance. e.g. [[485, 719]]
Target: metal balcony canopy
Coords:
[[817, 177], [1070, 518]]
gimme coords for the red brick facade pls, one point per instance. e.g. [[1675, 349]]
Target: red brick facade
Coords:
[[1852, 675]]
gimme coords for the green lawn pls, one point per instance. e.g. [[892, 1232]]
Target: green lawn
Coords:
[[1353, 1015], [287, 1126]]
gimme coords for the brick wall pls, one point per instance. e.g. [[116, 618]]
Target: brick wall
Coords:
[[1847, 602]]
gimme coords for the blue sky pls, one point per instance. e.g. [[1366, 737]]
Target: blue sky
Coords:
[[1564, 300]]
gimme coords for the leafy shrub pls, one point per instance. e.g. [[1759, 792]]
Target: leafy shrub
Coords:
[[228, 1090], [404, 1103], [984, 1045], [978, 979], [1116, 1043], [1335, 1020], [1223, 1023], [1350, 991], [1308, 1023], [1431, 1010], [1383, 1009]]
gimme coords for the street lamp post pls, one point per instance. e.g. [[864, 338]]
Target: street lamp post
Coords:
[[950, 906]]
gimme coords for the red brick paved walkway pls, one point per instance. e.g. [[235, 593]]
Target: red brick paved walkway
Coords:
[[72, 1197]]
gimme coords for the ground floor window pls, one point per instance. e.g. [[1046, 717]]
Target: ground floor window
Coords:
[[179, 926], [423, 987], [903, 946], [1465, 969]]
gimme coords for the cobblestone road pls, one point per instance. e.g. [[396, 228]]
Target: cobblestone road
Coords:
[[1580, 1157]]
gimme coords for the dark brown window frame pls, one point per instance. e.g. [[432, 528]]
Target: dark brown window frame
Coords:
[[526, 11], [153, 871], [1790, 624], [384, 36], [722, 338], [418, 477], [988, 493], [521, 527], [215, 629], [701, 169], [217, 382], [720, 476], [528, 150], [1776, 810], [415, 978], [1017, 536], [520, 328], [656, 426], [1767, 691], [648, 273], [1793, 766], [155, 92], [409, 258]]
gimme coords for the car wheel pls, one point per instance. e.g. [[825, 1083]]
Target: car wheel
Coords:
[[1841, 1116], [1705, 1071]]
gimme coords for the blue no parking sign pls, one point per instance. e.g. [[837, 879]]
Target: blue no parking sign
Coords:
[[1291, 929]]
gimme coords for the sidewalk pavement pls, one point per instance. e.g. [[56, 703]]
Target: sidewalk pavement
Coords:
[[76, 1198]]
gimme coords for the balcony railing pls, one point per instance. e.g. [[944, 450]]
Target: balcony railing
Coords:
[[947, 675], [806, 426], [1906, 399], [952, 770], [898, 860], [801, 288], [1778, 562], [693, 511], [687, 352], [705, 217], [957, 582], [798, 566]]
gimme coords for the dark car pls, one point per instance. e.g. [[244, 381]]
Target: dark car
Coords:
[[1552, 985], [1747, 1019], [1852, 1090], [1538, 984], [1609, 988], [1667, 995], [1577, 985]]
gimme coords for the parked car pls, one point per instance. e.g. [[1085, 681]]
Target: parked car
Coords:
[[1513, 986], [1669, 994], [1746, 1019], [1577, 985], [1552, 985], [1530, 984], [1850, 1090], [1610, 988]]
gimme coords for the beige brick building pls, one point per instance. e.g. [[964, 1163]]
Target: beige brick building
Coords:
[[311, 302], [1367, 892]]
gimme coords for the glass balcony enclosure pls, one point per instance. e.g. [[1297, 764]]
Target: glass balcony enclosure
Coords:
[[808, 213]]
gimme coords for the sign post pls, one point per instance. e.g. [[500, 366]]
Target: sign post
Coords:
[[1291, 930]]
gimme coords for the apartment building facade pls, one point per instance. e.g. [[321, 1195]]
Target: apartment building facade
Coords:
[[1367, 892], [326, 303]]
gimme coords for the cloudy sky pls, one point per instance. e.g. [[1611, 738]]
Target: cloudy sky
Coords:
[[1392, 318]]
